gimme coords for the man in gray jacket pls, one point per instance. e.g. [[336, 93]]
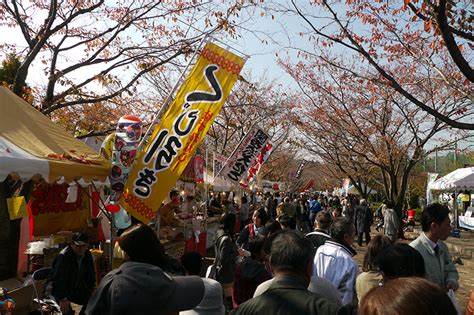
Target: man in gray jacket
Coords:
[[436, 227], [291, 260]]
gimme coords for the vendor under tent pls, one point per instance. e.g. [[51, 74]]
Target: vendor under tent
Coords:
[[457, 181], [34, 149]]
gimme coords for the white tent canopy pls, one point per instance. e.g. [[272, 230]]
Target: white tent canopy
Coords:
[[353, 190], [462, 178], [219, 184]]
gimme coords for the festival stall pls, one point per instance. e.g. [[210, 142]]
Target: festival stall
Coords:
[[190, 232], [458, 181], [45, 176]]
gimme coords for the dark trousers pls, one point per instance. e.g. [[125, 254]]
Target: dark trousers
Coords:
[[359, 238], [312, 216]]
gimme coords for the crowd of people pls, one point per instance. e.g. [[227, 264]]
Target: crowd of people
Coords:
[[292, 256]]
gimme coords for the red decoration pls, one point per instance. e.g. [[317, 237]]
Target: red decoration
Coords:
[[95, 213], [200, 247], [47, 198], [112, 208], [199, 169]]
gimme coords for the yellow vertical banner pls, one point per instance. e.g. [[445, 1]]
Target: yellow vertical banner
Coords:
[[182, 128]]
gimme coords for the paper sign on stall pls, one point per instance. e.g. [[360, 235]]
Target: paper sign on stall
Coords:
[[17, 207]]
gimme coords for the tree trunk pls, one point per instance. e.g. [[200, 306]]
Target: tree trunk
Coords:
[[20, 80]]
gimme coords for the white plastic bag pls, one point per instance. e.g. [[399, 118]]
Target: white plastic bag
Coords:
[[452, 297]]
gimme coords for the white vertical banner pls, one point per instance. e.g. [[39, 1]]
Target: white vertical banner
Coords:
[[218, 162], [244, 155], [300, 169], [345, 184], [429, 195]]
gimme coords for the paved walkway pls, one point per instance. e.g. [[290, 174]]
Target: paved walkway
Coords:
[[462, 251]]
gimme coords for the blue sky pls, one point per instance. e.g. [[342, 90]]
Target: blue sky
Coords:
[[278, 30]]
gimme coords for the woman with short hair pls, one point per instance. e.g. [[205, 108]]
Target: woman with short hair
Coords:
[[371, 275]]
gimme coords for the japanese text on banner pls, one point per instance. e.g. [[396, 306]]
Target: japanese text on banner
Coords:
[[245, 154], [257, 164], [181, 130]]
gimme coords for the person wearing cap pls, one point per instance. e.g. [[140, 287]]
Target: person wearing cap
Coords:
[[212, 302], [73, 276], [140, 286]]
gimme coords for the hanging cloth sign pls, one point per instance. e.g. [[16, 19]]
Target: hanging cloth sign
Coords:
[[300, 169], [175, 139], [257, 164], [245, 154]]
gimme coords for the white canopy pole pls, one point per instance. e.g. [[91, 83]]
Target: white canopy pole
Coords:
[[455, 204]]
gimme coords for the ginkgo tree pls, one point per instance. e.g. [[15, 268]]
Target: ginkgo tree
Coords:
[[93, 54]]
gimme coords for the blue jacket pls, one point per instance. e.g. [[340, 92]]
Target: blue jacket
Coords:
[[314, 206]]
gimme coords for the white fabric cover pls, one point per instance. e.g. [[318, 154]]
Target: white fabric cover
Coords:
[[462, 178], [16, 160]]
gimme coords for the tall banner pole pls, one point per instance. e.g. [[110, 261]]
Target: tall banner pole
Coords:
[[207, 186], [170, 95]]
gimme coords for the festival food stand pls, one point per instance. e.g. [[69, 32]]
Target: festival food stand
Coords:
[[45, 176], [196, 224], [457, 181]]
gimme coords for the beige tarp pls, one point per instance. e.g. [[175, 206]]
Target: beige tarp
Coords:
[[31, 144]]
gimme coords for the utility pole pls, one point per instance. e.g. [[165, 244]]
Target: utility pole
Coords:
[[436, 161], [455, 152]]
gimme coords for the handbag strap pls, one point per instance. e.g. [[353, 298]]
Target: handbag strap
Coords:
[[218, 245]]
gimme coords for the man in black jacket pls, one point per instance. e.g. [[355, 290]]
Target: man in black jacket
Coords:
[[363, 221], [73, 277], [291, 261], [321, 232]]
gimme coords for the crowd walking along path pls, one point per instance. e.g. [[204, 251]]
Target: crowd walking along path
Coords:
[[461, 250]]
